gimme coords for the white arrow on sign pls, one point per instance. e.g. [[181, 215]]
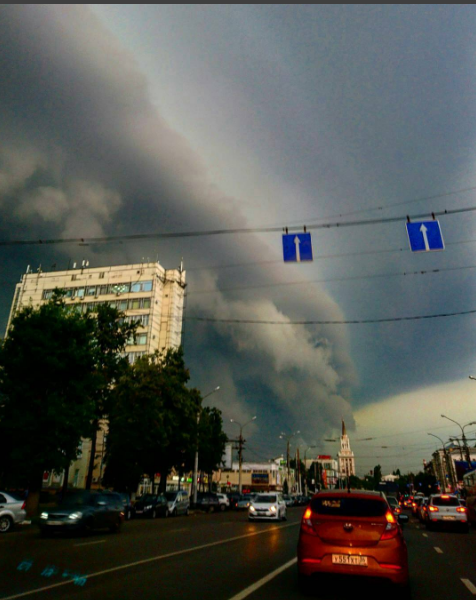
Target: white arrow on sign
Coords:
[[297, 241], [423, 230]]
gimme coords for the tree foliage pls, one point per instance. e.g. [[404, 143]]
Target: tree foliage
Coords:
[[47, 383], [153, 422]]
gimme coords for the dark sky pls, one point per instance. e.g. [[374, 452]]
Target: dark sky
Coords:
[[164, 118]]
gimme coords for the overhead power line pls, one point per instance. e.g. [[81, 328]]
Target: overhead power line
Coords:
[[343, 322], [330, 279], [213, 232]]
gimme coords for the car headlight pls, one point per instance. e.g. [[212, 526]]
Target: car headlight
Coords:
[[252, 509], [272, 509], [75, 516], [148, 507], [44, 515]]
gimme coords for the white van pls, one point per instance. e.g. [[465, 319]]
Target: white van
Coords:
[[178, 503]]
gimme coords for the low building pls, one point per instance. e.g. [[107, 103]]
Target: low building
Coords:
[[255, 477]]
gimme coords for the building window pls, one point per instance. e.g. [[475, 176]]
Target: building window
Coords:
[[142, 286], [141, 339], [101, 275], [47, 294], [146, 303], [91, 290], [103, 290], [134, 304]]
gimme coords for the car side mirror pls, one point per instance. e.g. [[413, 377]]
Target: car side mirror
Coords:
[[403, 519]]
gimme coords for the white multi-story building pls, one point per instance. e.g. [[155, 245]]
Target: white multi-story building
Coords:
[[144, 292], [345, 456]]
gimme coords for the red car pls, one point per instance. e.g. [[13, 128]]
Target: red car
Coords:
[[351, 533]]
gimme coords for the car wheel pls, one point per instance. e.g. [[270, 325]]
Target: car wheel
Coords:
[[210, 509], [187, 512], [128, 514], [222, 507], [6, 524], [304, 584], [88, 527], [116, 527], [167, 513], [154, 514]]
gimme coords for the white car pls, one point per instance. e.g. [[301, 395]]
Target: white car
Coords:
[[12, 511], [268, 506], [224, 501], [446, 509]]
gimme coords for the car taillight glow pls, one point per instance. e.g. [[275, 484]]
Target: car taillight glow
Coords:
[[461, 509], [389, 566], [390, 517], [445, 497], [306, 524], [23, 506], [433, 509]]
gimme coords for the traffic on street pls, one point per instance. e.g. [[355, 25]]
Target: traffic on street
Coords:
[[223, 556]]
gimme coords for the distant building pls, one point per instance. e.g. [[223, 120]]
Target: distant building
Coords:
[[255, 477], [329, 471], [145, 292], [345, 456]]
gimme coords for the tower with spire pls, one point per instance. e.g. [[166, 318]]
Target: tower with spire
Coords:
[[345, 456]]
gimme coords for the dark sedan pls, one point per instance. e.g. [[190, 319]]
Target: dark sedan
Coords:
[[207, 501], [84, 511], [152, 505]]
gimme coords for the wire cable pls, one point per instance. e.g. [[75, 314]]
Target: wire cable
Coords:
[[343, 322], [213, 232]]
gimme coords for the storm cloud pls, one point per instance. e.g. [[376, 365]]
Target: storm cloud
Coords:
[[84, 151]]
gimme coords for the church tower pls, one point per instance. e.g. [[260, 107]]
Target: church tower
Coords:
[[345, 456]]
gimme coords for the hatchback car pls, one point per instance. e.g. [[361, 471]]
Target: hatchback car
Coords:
[[208, 501], [152, 505], [224, 501], [84, 511], [267, 506], [12, 511], [446, 510], [351, 533]]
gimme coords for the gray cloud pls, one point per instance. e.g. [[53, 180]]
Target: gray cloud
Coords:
[[101, 159]]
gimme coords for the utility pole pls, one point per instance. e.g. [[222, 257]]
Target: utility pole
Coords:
[[288, 438], [241, 441]]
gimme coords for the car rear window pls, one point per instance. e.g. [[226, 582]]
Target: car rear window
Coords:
[[347, 506], [449, 501]]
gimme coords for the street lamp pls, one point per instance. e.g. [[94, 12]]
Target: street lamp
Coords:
[[465, 445], [240, 447], [195, 466], [448, 465], [288, 438]]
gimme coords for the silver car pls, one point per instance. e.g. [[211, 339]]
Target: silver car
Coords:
[[12, 511]]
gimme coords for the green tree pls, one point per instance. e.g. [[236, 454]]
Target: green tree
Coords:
[[153, 420], [211, 441], [111, 334], [47, 382], [355, 482], [377, 475]]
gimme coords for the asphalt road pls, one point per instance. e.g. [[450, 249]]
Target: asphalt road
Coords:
[[220, 556]]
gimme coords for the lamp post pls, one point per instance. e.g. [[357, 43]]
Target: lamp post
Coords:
[[465, 445], [288, 438], [195, 466], [305, 467], [240, 448], [447, 460]]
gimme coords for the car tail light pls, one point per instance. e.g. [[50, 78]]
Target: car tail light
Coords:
[[445, 496], [461, 509], [389, 566], [306, 524], [391, 530], [433, 509], [23, 506], [398, 510]]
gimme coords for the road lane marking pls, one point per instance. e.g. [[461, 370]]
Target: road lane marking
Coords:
[[255, 586], [424, 534], [89, 543], [439, 550], [470, 586], [152, 559]]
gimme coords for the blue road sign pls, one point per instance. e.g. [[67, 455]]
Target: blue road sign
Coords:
[[425, 236], [297, 247]]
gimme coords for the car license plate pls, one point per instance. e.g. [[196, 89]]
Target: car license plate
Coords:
[[55, 522], [449, 518], [345, 559], [139, 512]]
